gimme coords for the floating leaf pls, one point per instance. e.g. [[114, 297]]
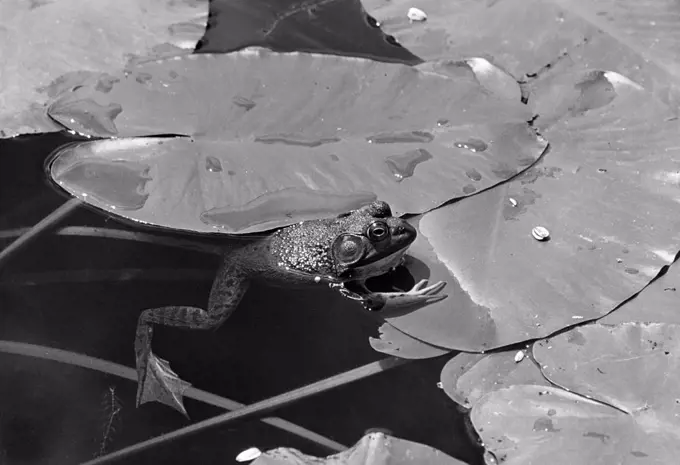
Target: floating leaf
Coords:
[[631, 366], [49, 46], [468, 377], [531, 425], [657, 303], [372, 449], [607, 193], [280, 138], [638, 39], [394, 342]]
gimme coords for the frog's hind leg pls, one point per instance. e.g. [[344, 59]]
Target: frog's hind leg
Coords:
[[156, 380]]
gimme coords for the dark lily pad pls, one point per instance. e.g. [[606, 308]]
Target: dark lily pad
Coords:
[[372, 449], [607, 193], [50, 46], [279, 138], [531, 425]]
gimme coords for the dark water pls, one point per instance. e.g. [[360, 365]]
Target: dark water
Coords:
[[276, 341], [84, 294]]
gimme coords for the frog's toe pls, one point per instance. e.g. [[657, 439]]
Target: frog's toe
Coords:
[[159, 383], [421, 288]]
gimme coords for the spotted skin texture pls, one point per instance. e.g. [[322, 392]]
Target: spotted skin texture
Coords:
[[353, 246]]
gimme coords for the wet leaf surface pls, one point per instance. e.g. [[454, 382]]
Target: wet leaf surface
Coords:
[[606, 192], [81, 39], [468, 377], [372, 449], [657, 303], [638, 39], [529, 425], [280, 138], [393, 342], [631, 366]]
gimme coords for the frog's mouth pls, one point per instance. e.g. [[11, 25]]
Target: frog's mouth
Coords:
[[378, 267]]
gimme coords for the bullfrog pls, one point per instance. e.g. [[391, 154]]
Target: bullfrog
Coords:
[[347, 249]]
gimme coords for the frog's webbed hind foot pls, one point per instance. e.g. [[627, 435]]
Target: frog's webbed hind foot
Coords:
[[157, 382]]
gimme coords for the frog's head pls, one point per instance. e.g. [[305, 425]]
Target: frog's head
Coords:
[[353, 246], [370, 243]]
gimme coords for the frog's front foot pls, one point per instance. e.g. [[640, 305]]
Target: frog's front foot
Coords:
[[420, 294], [157, 382]]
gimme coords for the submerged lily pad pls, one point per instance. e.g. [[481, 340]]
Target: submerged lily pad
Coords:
[[273, 139]]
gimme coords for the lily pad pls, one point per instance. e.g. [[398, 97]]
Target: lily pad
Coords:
[[76, 40], [606, 191], [531, 425], [372, 449], [632, 367], [657, 303], [636, 38], [394, 342], [273, 139], [466, 378]]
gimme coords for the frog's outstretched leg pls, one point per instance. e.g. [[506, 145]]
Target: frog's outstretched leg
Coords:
[[156, 380]]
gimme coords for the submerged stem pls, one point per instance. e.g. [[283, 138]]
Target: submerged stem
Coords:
[[257, 409], [93, 363], [44, 224]]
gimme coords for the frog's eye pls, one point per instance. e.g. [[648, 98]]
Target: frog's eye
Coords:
[[348, 249], [377, 231]]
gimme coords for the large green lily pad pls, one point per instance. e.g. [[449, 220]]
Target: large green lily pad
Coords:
[[273, 139]]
